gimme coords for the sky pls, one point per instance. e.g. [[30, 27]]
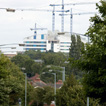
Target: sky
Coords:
[[15, 26]]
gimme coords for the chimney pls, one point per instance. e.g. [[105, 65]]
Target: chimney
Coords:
[[52, 103]]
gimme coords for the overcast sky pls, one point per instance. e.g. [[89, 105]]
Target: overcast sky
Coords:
[[14, 27]]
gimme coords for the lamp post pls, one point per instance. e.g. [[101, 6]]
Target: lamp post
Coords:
[[63, 73], [87, 101], [25, 89], [54, 82], [63, 77], [25, 86]]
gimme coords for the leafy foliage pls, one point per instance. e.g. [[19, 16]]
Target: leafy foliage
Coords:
[[93, 61], [43, 95], [75, 54], [12, 82], [71, 94]]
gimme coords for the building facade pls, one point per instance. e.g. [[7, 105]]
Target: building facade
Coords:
[[52, 41]]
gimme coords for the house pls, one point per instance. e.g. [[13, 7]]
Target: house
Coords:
[[36, 82]]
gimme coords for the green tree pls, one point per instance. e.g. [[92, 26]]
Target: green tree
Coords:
[[12, 83], [23, 60], [71, 94], [34, 54], [75, 54], [72, 52], [20, 59], [36, 68], [53, 58], [76, 47], [43, 95], [9, 82], [93, 61]]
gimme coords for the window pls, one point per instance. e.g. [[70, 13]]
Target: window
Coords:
[[65, 42], [34, 45], [43, 42], [42, 48], [34, 36], [42, 36]]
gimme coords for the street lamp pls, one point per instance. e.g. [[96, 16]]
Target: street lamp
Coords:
[[87, 101], [25, 89], [63, 77], [25, 86], [63, 73]]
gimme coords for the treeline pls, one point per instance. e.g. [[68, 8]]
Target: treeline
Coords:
[[12, 83], [29, 60]]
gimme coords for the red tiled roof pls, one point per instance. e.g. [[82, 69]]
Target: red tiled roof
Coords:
[[36, 80], [59, 82], [35, 77]]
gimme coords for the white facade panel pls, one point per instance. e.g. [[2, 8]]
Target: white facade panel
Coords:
[[46, 42]]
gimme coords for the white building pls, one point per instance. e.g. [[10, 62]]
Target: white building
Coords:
[[52, 41]]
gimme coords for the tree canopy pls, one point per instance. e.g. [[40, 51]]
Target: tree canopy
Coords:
[[93, 60], [12, 83], [75, 54]]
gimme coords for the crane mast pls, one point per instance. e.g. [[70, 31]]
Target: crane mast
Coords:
[[35, 30], [62, 12], [62, 18]]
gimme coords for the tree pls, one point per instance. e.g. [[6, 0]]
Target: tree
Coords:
[[69, 98], [3, 66], [93, 61], [9, 82], [20, 59], [43, 95], [36, 68], [53, 58], [34, 54], [23, 60], [76, 47], [71, 94], [72, 52], [12, 83], [75, 54]]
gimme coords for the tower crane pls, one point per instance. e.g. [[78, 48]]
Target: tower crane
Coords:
[[71, 17], [35, 29], [42, 10], [62, 16]]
